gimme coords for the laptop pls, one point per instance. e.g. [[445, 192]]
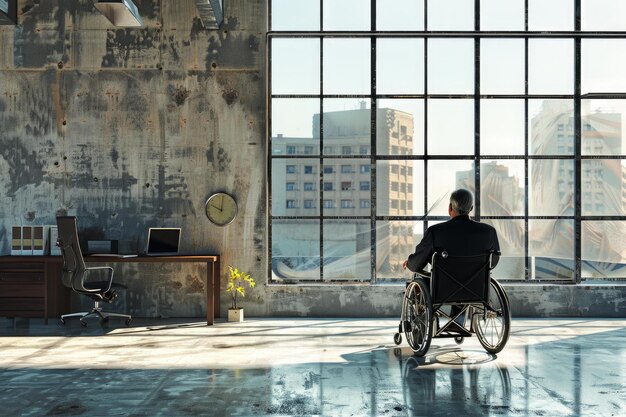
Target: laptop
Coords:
[[163, 241]]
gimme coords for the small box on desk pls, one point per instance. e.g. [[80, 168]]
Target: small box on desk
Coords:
[[102, 246], [54, 235], [40, 238], [16, 240]]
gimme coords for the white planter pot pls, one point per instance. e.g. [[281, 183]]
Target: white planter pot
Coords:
[[235, 314]]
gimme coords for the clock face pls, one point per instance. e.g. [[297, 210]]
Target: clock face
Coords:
[[221, 209]]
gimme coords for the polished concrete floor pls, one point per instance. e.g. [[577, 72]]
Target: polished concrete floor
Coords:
[[303, 367]]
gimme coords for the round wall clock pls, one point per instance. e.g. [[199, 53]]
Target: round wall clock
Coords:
[[221, 209]]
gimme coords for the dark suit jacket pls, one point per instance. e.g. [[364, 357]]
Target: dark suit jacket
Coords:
[[459, 236]]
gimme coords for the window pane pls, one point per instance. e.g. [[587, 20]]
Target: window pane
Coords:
[[400, 127], [440, 16], [395, 241], [295, 66], [445, 177], [603, 249], [450, 66], [289, 200], [512, 264], [342, 180], [502, 127], [550, 66], [400, 14], [347, 249], [501, 15], [551, 248], [295, 15], [551, 187], [603, 187], [603, 65], [295, 250], [502, 188], [291, 125], [347, 124], [400, 66], [502, 66], [347, 14], [603, 15], [399, 188], [347, 66], [550, 15], [601, 129], [451, 127], [551, 127]]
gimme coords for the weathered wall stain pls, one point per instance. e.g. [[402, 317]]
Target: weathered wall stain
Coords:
[[125, 48], [229, 95], [24, 166], [179, 94]]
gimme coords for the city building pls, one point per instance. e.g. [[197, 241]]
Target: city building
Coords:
[[347, 191]]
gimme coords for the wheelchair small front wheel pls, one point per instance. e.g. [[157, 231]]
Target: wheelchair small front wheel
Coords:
[[397, 338]]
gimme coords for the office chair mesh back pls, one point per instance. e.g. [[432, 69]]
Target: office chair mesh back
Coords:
[[460, 279], [73, 263]]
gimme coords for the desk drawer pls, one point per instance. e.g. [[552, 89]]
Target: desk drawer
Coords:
[[20, 290], [22, 307], [21, 277], [25, 266]]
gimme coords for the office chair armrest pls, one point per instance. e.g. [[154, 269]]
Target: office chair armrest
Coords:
[[109, 279]]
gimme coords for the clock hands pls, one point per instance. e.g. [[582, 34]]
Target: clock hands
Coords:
[[221, 207]]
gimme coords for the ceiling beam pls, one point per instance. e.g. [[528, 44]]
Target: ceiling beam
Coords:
[[122, 13], [211, 13], [8, 12]]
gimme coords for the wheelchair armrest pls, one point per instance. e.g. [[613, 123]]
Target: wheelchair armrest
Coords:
[[421, 274]]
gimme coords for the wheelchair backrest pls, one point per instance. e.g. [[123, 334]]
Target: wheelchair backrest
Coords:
[[460, 279]]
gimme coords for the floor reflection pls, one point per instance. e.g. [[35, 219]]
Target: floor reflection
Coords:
[[311, 367]]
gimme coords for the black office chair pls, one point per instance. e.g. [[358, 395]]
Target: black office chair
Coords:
[[75, 274]]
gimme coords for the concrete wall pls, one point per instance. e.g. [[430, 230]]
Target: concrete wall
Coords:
[[133, 128]]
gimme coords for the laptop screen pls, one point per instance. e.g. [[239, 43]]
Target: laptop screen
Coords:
[[163, 241]]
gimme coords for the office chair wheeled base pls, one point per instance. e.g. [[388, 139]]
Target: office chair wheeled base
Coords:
[[96, 311]]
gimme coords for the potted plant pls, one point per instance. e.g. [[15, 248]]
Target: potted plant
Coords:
[[237, 280]]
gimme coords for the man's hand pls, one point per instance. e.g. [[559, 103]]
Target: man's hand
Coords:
[[404, 264]]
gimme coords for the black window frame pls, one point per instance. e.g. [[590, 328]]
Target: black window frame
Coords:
[[577, 218]]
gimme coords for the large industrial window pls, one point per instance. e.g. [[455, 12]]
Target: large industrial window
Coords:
[[390, 105]]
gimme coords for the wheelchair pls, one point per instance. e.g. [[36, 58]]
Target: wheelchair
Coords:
[[477, 304]]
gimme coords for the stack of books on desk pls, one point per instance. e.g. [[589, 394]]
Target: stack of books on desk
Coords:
[[34, 240]]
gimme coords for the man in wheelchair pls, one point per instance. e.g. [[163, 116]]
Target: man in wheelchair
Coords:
[[461, 252]]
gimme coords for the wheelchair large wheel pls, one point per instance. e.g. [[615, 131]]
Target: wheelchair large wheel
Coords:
[[417, 312], [492, 325]]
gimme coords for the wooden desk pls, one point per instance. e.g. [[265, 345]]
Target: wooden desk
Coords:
[[30, 286], [212, 274]]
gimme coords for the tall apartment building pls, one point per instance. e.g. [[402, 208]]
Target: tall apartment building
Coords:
[[342, 185], [603, 189]]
